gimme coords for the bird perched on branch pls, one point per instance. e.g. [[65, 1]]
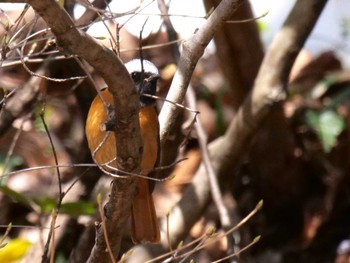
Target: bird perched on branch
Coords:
[[145, 75]]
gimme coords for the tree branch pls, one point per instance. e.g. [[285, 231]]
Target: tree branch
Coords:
[[193, 49], [127, 131], [242, 42], [269, 90]]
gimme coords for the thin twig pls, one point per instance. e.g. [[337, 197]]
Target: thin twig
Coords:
[[255, 240], [136, 12], [179, 105], [106, 13], [168, 232], [202, 241], [90, 15], [218, 237], [104, 227], [141, 50], [172, 34], [60, 193], [224, 214], [25, 226], [35, 73], [11, 149], [54, 152], [15, 30], [26, 59], [154, 46], [32, 169], [104, 23], [75, 181], [247, 20], [43, 167], [210, 233], [53, 235], [7, 232]]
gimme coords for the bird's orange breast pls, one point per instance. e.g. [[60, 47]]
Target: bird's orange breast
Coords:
[[103, 146]]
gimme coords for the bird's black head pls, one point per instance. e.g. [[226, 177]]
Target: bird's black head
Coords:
[[145, 81]]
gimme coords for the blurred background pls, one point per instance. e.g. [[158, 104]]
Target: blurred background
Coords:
[[297, 163]]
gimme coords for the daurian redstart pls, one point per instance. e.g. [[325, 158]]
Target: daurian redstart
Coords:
[[145, 226]]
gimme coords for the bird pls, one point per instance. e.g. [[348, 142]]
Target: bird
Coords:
[[144, 223]]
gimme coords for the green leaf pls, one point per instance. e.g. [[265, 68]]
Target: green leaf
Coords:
[[16, 196], [78, 208], [13, 161], [71, 208], [326, 84], [327, 125], [340, 97], [262, 26], [60, 258], [312, 119], [323, 86], [331, 125], [48, 113], [46, 204]]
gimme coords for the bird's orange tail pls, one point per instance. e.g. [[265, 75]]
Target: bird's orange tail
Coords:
[[145, 228]]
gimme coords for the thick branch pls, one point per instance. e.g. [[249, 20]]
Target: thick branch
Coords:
[[111, 69], [269, 89], [240, 41], [193, 49]]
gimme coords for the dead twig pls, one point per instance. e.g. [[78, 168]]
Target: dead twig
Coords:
[[104, 227], [59, 198], [224, 215]]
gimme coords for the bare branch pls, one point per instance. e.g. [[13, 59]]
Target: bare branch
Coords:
[[269, 90], [59, 198], [112, 70], [224, 215], [193, 49]]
